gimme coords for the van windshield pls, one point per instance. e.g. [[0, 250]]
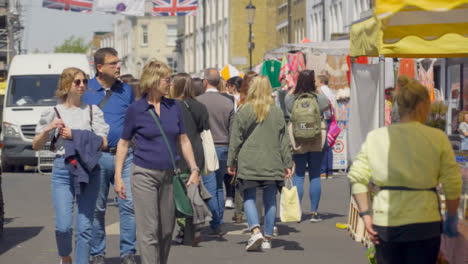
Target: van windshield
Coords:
[[32, 90]]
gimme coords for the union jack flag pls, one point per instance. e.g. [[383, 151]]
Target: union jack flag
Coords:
[[69, 5], [175, 7]]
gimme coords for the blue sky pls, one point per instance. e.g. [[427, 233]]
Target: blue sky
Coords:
[[47, 28]]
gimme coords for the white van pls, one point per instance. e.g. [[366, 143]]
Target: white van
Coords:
[[31, 85]]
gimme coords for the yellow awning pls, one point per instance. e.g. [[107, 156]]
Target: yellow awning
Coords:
[[413, 28]]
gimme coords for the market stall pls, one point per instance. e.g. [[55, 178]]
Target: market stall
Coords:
[[417, 29]]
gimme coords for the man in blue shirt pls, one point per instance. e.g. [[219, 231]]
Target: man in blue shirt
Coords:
[[113, 97]]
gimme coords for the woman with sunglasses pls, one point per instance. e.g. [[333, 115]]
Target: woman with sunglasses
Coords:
[[71, 115]]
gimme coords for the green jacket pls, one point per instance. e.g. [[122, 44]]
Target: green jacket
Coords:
[[266, 153]]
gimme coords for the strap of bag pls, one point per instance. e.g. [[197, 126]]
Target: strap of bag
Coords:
[[91, 117], [153, 114], [247, 134], [106, 98], [55, 138]]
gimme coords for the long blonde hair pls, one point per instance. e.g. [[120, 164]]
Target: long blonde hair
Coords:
[[259, 96]]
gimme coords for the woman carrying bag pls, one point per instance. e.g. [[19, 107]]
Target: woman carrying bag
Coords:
[[157, 124], [65, 125], [263, 157]]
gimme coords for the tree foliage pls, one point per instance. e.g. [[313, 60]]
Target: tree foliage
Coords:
[[72, 45]]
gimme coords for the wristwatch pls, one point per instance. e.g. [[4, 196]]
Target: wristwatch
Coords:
[[367, 212], [195, 169]]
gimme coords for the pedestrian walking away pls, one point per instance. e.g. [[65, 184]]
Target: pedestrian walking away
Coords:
[[307, 149], [406, 162], [326, 169], [221, 112], [157, 125], [260, 146], [77, 132], [113, 97], [196, 121]]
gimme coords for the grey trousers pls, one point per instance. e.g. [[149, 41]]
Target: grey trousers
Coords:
[[154, 213]]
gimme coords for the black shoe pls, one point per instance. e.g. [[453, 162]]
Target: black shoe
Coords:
[[99, 259], [218, 232], [129, 259]]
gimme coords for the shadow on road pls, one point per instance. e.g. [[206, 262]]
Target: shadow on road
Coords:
[[286, 244], [117, 260], [13, 236], [324, 216]]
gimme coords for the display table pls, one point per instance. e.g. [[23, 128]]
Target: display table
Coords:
[[455, 250]]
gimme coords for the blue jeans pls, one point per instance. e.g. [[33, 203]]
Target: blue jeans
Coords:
[[313, 159], [127, 213], [63, 196], [214, 184], [250, 207]]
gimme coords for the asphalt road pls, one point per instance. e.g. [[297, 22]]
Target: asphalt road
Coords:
[[29, 231]]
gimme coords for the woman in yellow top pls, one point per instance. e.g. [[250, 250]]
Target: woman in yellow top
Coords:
[[407, 161]]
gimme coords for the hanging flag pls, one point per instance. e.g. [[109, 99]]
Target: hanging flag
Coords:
[[175, 7], [124, 7], [69, 5]]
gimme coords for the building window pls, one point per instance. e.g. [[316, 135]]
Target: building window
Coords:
[[144, 30], [172, 63], [171, 35]]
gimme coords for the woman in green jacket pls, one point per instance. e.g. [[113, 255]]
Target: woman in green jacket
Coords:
[[263, 157], [407, 161]]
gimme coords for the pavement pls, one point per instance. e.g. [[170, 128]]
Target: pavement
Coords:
[[29, 231]]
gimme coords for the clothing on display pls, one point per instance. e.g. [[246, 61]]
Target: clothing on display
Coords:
[[426, 77], [291, 65], [406, 68], [337, 69], [316, 62], [271, 69], [359, 60], [342, 113], [389, 73], [364, 106]]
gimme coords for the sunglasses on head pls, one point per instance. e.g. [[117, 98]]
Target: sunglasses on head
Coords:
[[77, 82]]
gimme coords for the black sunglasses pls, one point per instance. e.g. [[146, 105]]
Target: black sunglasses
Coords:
[[77, 82]]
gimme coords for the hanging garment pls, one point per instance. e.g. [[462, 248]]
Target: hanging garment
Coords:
[[291, 65], [426, 78], [342, 113], [364, 105], [359, 60], [337, 69], [316, 62], [272, 69], [406, 68]]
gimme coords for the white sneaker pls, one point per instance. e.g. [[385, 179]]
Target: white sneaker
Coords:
[[255, 242], [275, 231], [229, 203], [266, 244]]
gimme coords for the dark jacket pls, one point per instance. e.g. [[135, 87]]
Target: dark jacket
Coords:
[[82, 155], [196, 119], [266, 153]]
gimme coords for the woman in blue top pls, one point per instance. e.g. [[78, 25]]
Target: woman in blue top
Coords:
[[153, 170]]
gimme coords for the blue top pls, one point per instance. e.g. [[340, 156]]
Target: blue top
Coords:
[[150, 149], [115, 108]]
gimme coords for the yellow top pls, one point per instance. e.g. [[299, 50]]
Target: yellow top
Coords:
[[410, 155]]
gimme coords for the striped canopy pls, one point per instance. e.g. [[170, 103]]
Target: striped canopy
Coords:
[[413, 28]]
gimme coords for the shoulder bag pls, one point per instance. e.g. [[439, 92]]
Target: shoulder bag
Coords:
[[333, 130], [246, 136], [181, 200]]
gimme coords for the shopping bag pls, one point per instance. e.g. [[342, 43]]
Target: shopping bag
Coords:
[[209, 150], [333, 130], [290, 207], [181, 200]]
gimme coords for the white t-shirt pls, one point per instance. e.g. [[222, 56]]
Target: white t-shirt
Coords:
[[331, 97]]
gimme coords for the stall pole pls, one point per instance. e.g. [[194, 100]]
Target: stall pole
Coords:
[[381, 93]]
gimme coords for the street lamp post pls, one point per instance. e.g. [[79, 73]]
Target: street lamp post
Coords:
[[250, 12]]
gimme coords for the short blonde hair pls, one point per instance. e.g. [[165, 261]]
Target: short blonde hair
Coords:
[[152, 74], [65, 82], [259, 96], [410, 94]]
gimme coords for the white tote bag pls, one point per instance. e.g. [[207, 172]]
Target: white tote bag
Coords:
[[211, 159], [290, 206]]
